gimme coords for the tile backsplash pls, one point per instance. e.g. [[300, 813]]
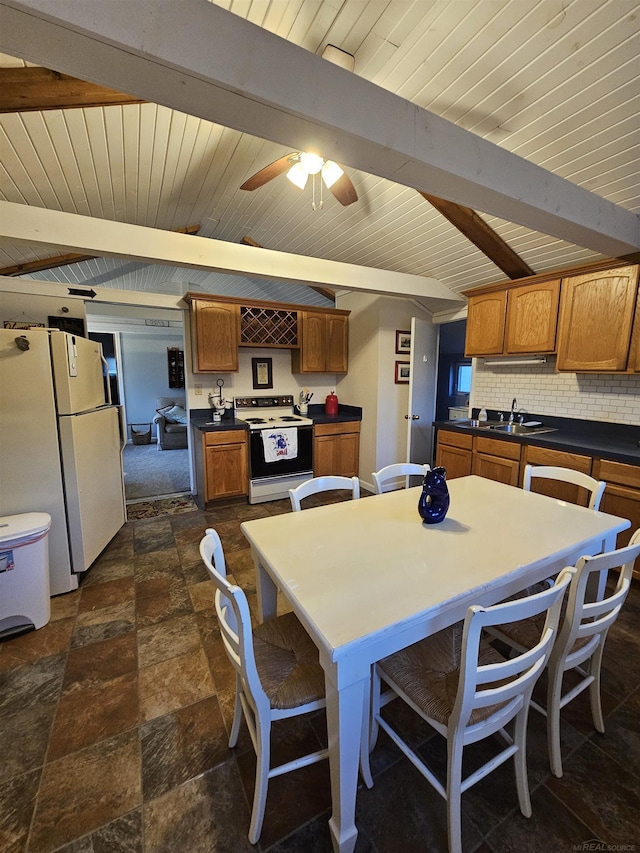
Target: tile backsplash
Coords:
[[540, 390]]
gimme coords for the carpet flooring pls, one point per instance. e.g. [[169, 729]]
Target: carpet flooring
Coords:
[[153, 473]]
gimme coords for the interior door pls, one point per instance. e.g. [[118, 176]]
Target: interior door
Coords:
[[422, 390]]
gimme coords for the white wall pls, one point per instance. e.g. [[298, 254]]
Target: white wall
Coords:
[[370, 382], [539, 389], [37, 309]]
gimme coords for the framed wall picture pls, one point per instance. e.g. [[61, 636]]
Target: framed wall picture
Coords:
[[403, 342], [262, 370], [402, 372]]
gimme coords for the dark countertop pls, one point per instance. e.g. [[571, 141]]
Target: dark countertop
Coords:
[[200, 419], [618, 442]]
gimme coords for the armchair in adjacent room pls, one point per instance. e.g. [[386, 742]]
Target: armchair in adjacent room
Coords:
[[171, 423]]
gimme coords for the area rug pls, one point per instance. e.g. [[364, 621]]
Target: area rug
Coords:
[[163, 506]]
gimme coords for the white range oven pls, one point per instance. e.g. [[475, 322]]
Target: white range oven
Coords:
[[280, 445]]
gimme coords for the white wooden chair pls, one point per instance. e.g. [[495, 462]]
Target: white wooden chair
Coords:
[[322, 484], [383, 479], [277, 674], [491, 691], [595, 488], [580, 642]]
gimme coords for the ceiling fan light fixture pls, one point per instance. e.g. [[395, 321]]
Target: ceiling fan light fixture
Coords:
[[298, 175], [311, 163], [331, 172]]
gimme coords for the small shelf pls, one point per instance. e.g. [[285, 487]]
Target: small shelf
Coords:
[[268, 327], [175, 366]]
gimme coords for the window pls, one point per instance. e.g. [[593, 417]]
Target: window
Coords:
[[462, 383]]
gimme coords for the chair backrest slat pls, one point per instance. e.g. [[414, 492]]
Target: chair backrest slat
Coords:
[[323, 484], [595, 488], [385, 476]]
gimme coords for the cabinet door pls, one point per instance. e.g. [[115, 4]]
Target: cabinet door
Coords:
[[325, 455], [485, 324], [312, 343], [456, 460], [336, 336], [349, 454], [588, 340], [532, 317], [561, 459], [496, 468], [226, 470], [215, 335]]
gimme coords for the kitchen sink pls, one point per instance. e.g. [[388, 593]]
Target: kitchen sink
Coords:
[[503, 426], [521, 429]]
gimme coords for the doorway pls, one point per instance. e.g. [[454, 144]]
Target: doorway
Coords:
[[139, 344], [454, 370]]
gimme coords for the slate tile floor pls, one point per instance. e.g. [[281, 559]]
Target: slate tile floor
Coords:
[[114, 721]]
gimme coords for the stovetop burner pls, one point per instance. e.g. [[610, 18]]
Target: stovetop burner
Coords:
[[265, 412]]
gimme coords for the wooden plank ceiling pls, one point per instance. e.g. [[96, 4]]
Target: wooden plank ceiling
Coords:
[[556, 83]]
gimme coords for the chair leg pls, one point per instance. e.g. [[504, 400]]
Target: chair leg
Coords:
[[554, 696], [594, 688], [237, 716], [454, 793], [520, 760], [263, 757]]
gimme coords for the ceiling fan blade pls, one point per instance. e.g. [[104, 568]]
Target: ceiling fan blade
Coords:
[[344, 190], [270, 172]]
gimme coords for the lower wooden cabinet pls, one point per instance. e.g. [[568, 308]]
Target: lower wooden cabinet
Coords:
[[496, 460], [221, 465], [336, 449], [453, 453], [621, 496]]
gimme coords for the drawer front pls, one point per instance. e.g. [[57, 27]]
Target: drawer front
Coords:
[[230, 436], [617, 472], [455, 439], [496, 447], [561, 458], [336, 428]]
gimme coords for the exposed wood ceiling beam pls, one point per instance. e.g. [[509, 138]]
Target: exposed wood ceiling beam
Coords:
[[482, 235], [106, 238], [29, 89], [327, 292], [63, 260], [275, 90]]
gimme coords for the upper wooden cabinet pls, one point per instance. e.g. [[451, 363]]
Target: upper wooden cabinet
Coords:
[[513, 320], [215, 328], [596, 319], [485, 324], [323, 343]]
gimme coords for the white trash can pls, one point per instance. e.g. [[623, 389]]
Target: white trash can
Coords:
[[24, 572]]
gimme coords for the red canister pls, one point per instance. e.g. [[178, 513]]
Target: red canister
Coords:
[[331, 404]]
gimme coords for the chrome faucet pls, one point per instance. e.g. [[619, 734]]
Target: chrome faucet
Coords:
[[513, 410]]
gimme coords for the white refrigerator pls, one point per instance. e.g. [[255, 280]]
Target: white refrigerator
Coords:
[[61, 444]]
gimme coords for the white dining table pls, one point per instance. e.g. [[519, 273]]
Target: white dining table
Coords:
[[367, 577]]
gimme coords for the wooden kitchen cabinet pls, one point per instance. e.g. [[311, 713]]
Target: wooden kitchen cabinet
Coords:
[[496, 460], [453, 453], [221, 465], [621, 496], [588, 337], [513, 320], [323, 343], [336, 449], [485, 324], [532, 318], [534, 455], [215, 333]]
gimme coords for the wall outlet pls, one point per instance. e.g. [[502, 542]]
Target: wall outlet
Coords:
[[198, 390]]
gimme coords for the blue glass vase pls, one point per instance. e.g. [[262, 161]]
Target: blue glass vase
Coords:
[[434, 500]]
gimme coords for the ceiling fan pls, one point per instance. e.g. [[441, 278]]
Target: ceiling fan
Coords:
[[299, 165]]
